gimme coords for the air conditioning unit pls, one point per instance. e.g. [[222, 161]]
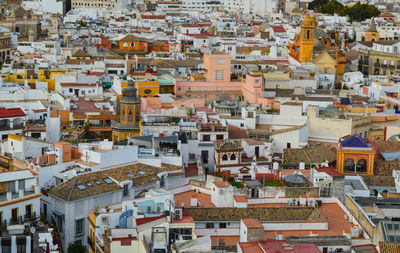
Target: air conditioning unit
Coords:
[[178, 214], [105, 219]]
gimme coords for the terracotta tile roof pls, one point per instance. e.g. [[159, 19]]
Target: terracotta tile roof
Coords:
[[250, 247], [283, 247], [387, 146], [11, 112], [383, 181], [240, 199], [221, 184], [191, 170], [253, 142], [142, 221], [378, 119], [130, 37], [278, 29], [280, 214], [185, 197], [236, 133], [385, 168], [314, 154], [330, 171], [252, 223], [69, 190], [80, 53]]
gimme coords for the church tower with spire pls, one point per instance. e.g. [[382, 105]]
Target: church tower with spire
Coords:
[[306, 39], [372, 34], [130, 116]]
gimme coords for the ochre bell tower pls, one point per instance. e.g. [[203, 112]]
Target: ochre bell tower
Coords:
[[129, 124], [307, 38]]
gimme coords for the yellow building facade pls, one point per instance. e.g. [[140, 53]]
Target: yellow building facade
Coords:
[[43, 75]]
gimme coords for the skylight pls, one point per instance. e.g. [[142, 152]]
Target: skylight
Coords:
[[107, 180], [81, 187], [89, 184], [129, 174], [141, 172], [97, 181]]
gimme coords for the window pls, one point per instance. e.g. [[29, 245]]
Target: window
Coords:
[[241, 124], [220, 61], [125, 192], [204, 156], [206, 137], [79, 226], [14, 214], [288, 145], [233, 157], [225, 157], [222, 225], [1, 218], [70, 90], [361, 166], [97, 181], [81, 187], [219, 75], [107, 180], [220, 137], [209, 225], [28, 211], [257, 81], [349, 165]]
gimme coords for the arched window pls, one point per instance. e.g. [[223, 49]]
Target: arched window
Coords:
[[123, 114], [361, 166], [130, 118], [349, 165], [137, 114], [225, 157], [233, 157]]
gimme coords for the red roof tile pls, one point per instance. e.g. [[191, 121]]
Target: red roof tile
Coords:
[[11, 112], [142, 221], [330, 171], [278, 29]]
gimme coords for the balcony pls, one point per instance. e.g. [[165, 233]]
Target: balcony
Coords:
[[15, 195], [377, 64]]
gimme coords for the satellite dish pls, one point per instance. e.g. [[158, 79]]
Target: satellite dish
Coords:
[[33, 230]]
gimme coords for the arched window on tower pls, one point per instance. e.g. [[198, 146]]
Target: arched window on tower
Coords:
[[308, 34], [225, 157], [233, 157], [130, 117], [123, 114], [349, 165], [137, 114]]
